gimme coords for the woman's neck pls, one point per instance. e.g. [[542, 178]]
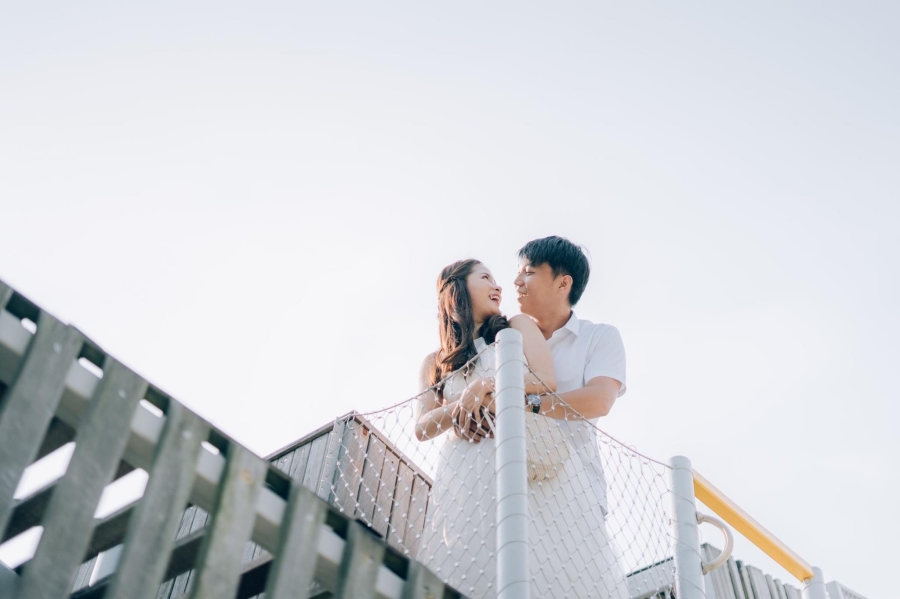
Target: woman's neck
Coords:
[[477, 332]]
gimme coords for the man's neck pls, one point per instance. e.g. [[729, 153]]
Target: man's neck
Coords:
[[550, 323]]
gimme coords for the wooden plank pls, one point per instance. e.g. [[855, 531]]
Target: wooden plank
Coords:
[[745, 581], [348, 473], [69, 521], [313, 473], [779, 589], [422, 583], [373, 463], [29, 511], [720, 579], [152, 529], [333, 449], [299, 462], [400, 509], [758, 583], [304, 440], [83, 576], [30, 403], [418, 503], [184, 556], [284, 462], [792, 592], [218, 574], [184, 581], [736, 585], [384, 503], [252, 580], [363, 554], [298, 544], [173, 583]]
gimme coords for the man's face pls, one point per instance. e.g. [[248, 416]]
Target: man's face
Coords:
[[537, 289]]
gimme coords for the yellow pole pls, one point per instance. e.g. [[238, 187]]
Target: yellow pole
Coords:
[[726, 509]]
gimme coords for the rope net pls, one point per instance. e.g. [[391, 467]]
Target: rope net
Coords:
[[598, 521]]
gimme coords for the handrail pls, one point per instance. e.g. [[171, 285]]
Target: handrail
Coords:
[[755, 532], [729, 542]]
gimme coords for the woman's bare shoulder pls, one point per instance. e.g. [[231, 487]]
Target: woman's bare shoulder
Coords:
[[427, 364], [522, 322]]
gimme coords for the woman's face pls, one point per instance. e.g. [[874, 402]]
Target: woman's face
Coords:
[[484, 293]]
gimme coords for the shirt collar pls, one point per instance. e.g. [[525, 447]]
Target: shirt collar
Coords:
[[573, 326]]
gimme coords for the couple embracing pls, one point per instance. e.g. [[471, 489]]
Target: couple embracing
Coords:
[[576, 370]]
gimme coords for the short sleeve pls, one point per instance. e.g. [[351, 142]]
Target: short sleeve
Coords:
[[606, 356]]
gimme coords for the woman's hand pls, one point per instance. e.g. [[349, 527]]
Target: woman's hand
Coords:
[[478, 393], [473, 409]]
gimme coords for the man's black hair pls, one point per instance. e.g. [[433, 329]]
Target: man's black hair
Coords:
[[563, 257]]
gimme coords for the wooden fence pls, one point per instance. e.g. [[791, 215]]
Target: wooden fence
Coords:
[[250, 526]]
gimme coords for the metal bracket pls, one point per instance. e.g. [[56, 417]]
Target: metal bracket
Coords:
[[729, 542]]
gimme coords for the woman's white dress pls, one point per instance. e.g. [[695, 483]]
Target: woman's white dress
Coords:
[[571, 555]]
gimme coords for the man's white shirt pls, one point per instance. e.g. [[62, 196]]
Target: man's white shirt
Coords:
[[582, 351]]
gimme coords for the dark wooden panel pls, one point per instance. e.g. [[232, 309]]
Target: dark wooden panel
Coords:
[[218, 572], [371, 479], [348, 475], [363, 554], [57, 435], [390, 472], [299, 461], [184, 580], [297, 545], [167, 589], [313, 472], [30, 403], [152, 529], [400, 510], [418, 503], [284, 462], [69, 522]]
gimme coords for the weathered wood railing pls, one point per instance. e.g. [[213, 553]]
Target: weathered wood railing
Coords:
[[119, 422]]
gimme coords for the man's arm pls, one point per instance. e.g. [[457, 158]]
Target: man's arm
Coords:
[[595, 399]]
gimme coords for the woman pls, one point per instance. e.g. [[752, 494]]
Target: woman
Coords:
[[570, 554], [469, 319]]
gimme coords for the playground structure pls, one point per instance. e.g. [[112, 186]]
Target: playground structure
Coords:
[[340, 512]]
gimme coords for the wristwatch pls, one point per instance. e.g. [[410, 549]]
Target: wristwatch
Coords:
[[533, 401]]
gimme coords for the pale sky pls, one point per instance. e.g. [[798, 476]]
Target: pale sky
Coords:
[[249, 204]]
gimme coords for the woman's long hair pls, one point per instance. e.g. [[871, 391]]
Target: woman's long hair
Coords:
[[456, 324]]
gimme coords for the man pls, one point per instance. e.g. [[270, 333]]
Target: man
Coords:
[[589, 358]]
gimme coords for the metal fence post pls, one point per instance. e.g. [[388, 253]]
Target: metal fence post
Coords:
[[814, 588], [512, 476], [688, 561]]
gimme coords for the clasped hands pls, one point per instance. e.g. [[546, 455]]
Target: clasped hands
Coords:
[[472, 415]]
